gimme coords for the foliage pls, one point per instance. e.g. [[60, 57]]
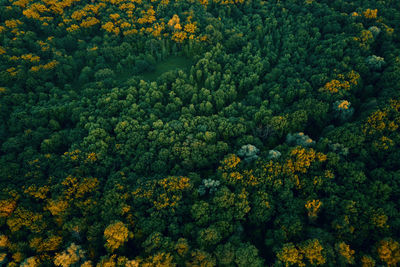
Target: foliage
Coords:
[[116, 234], [72, 255], [249, 152], [375, 62], [199, 133], [299, 139]]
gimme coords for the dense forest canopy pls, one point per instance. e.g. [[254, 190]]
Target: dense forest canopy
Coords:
[[199, 133]]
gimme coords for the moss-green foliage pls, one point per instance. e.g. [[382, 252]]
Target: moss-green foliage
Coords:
[[199, 133]]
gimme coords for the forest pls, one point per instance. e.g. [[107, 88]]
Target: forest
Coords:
[[199, 133]]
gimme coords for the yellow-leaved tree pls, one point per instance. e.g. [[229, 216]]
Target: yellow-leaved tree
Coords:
[[116, 235], [290, 255], [72, 255], [313, 251], [389, 251]]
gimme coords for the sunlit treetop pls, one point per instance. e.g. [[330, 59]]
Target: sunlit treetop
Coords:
[[70, 256], [344, 104], [389, 251], [346, 252], [313, 207], [290, 255], [116, 235], [370, 13]]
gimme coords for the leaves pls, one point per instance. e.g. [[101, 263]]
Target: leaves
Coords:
[[116, 235], [121, 120]]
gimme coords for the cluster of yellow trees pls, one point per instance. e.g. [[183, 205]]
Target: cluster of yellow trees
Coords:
[[368, 13], [311, 250], [298, 163], [382, 125], [342, 84], [163, 194], [133, 17]]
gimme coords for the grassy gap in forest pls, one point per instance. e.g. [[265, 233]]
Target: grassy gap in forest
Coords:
[[170, 63]]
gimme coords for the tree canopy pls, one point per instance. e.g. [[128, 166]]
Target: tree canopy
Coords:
[[199, 133]]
